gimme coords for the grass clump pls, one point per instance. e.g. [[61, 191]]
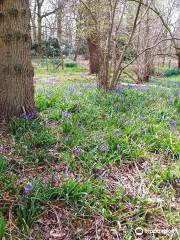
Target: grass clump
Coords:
[[3, 227], [3, 164], [71, 65]]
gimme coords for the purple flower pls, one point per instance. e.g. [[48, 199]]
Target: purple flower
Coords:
[[100, 177], [170, 101], [29, 116], [27, 189], [32, 115], [67, 115], [104, 147], [129, 206], [77, 151], [173, 124], [1, 147], [23, 115], [70, 174]]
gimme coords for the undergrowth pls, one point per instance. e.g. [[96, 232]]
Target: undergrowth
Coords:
[[71, 158]]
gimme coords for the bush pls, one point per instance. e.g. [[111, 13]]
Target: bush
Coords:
[[71, 65], [172, 72]]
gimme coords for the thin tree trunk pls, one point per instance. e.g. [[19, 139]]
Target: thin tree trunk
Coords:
[[16, 72], [59, 23], [39, 32], [33, 20]]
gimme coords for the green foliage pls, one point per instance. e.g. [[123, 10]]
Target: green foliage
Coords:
[[3, 164], [33, 133], [52, 48], [48, 66], [3, 227], [86, 142], [172, 72], [43, 102], [34, 139], [71, 65], [26, 214]]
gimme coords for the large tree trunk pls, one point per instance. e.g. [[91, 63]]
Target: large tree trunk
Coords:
[[16, 72], [93, 56]]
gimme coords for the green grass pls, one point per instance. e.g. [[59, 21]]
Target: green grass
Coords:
[[49, 67], [3, 227], [78, 152]]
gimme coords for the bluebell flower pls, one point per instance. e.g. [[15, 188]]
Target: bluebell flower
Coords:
[[27, 189], [170, 101], [104, 147], [29, 116], [173, 124], [70, 174], [67, 115], [23, 115], [77, 151]]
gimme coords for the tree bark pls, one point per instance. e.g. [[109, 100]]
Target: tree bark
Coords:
[[16, 72], [59, 14], [33, 21], [178, 61], [39, 34], [93, 56]]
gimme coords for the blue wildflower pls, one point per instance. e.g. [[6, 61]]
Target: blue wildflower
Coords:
[[28, 116], [170, 101], [104, 147], [173, 124], [67, 114], [77, 151], [27, 189]]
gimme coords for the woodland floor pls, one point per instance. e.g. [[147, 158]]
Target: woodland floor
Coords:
[[93, 165]]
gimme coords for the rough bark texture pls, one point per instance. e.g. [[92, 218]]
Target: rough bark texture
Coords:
[[16, 72], [93, 56], [33, 20], [59, 15], [179, 61]]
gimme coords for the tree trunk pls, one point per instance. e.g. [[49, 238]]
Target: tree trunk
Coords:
[[16, 72], [39, 34], [146, 64], [179, 61], [93, 56], [59, 23], [39, 26], [33, 21]]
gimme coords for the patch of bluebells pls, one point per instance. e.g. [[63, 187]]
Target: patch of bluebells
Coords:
[[28, 116]]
